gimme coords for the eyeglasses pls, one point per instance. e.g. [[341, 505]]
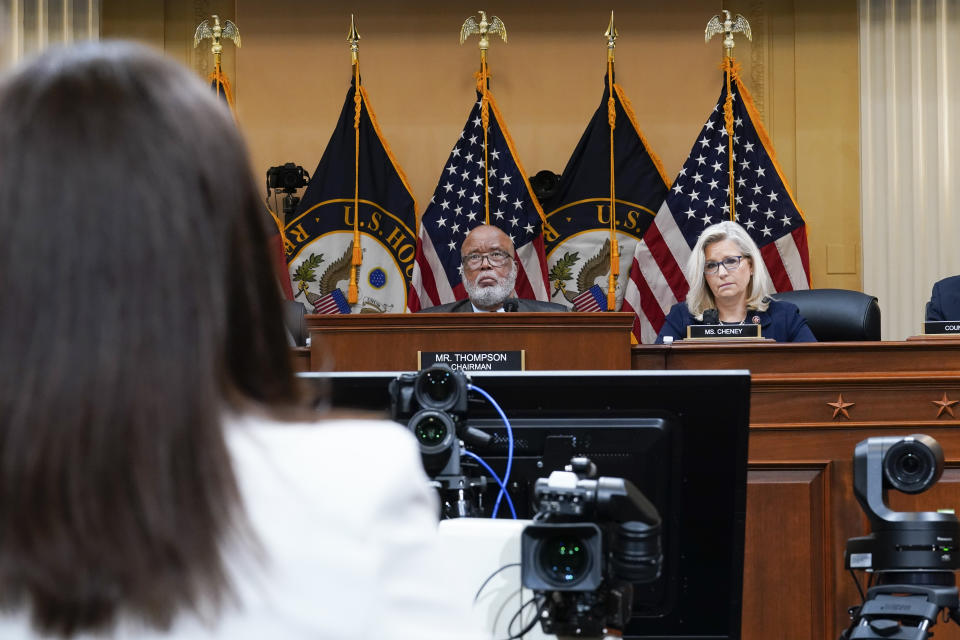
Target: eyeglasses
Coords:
[[495, 258], [730, 263]]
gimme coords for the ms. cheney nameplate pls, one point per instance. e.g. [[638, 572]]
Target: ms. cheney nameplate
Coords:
[[473, 360], [941, 327], [723, 331]]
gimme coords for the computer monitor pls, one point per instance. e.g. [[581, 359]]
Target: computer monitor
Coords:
[[679, 436]]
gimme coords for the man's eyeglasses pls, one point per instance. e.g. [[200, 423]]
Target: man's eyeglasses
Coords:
[[495, 258], [730, 263]]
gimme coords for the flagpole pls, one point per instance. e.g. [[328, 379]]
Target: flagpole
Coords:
[[217, 33], [353, 39], [485, 119], [484, 28], [611, 36], [728, 27]]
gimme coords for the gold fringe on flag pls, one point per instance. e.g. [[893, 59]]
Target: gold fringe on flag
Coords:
[[221, 84]]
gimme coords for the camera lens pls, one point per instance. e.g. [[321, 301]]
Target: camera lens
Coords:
[[564, 560], [438, 385], [909, 465], [434, 430], [913, 465], [430, 431]]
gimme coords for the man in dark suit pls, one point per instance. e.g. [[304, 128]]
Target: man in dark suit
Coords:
[[489, 275], [945, 300]]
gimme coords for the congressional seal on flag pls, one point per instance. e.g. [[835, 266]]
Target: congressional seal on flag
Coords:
[[340, 207]]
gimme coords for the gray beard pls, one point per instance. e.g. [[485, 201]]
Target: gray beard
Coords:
[[492, 295]]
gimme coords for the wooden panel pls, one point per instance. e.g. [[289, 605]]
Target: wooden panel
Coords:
[[880, 400], [390, 342], [301, 358], [810, 358], [785, 568]]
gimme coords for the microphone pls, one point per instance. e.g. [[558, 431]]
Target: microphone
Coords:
[[711, 316], [511, 305]]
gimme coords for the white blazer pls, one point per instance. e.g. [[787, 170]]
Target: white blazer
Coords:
[[346, 527]]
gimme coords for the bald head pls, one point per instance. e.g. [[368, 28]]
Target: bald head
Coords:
[[485, 238]]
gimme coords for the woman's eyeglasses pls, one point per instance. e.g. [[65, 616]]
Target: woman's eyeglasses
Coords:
[[730, 263]]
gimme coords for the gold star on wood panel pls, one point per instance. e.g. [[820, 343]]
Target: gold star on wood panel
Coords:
[[945, 404], [840, 407]]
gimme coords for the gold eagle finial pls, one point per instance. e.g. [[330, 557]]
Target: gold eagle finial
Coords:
[[494, 27], [728, 27], [216, 33]]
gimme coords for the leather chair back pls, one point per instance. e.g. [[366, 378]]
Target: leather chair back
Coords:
[[837, 315], [293, 319]]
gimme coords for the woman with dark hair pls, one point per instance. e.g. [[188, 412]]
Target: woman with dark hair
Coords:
[[156, 474]]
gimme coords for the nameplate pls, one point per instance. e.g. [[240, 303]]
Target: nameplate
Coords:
[[474, 360], [941, 327], [723, 331]]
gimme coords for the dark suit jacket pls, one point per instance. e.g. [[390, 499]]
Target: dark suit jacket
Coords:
[[781, 321], [464, 306], [945, 300]]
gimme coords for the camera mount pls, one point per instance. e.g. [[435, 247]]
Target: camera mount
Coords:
[[912, 554]]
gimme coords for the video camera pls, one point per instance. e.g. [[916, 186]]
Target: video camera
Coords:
[[592, 540], [433, 404], [912, 554]]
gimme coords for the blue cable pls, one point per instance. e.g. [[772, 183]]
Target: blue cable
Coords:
[[493, 473], [506, 474]]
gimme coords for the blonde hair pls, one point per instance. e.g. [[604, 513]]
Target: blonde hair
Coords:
[[700, 297]]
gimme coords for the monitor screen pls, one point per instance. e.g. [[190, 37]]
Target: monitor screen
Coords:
[[678, 436]]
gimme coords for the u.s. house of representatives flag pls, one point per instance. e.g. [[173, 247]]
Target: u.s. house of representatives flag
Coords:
[[319, 240], [699, 197], [458, 205], [577, 234]]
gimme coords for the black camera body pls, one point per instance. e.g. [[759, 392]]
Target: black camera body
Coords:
[[287, 177], [433, 405], [591, 540], [901, 541]]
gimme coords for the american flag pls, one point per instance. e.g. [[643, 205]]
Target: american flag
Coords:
[[458, 205], [332, 303], [764, 206], [592, 300]]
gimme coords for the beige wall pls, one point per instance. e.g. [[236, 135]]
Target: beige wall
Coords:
[[292, 72]]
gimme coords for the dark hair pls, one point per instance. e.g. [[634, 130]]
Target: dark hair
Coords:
[[138, 306]]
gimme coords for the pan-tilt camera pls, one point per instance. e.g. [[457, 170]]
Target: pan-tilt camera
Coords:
[[911, 555]]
